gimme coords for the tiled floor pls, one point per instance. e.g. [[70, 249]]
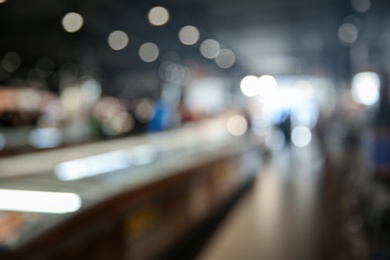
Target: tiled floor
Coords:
[[279, 217]]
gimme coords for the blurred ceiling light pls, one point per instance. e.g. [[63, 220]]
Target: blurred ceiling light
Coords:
[[174, 73], [225, 58], [267, 83], [144, 110], [45, 138], [2, 141], [2, 1], [361, 5], [365, 88], [118, 40], [158, 16], [72, 22], [39, 201], [148, 52], [11, 61], [189, 35], [92, 165], [210, 48], [250, 86], [237, 125], [301, 136], [348, 33]]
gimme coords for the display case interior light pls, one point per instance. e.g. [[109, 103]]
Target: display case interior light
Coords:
[[39, 201], [93, 165]]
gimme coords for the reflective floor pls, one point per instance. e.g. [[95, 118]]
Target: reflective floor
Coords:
[[280, 217]]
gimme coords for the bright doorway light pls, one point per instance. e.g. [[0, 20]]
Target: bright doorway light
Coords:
[[365, 88]]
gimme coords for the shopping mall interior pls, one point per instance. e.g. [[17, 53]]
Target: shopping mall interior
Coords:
[[194, 129]]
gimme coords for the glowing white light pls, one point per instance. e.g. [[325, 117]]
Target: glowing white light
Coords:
[[118, 40], [225, 58], [268, 87], [148, 52], [39, 201], [189, 35], [348, 33], [267, 81], [3, 1], [2, 141], [301, 136], [361, 5], [158, 16], [72, 22], [237, 125], [93, 165], [45, 138], [250, 86], [210, 48], [365, 88]]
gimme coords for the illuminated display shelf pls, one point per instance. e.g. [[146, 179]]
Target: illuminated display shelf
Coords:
[[187, 173]]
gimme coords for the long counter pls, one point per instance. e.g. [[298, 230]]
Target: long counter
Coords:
[[132, 198]]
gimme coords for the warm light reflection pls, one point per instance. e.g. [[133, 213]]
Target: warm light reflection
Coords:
[[158, 16], [118, 123], [301, 136], [71, 99], [2, 1], [189, 35], [148, 52], [28, 99], [39, 201], [237, 125], [209, 48], [225, 58], [118, 40], [144, 110], [93, 165], [72, 22], [250, 86], [348, 33], [365, 88]]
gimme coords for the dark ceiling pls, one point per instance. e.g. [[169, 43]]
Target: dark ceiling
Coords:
[[278, 36]]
